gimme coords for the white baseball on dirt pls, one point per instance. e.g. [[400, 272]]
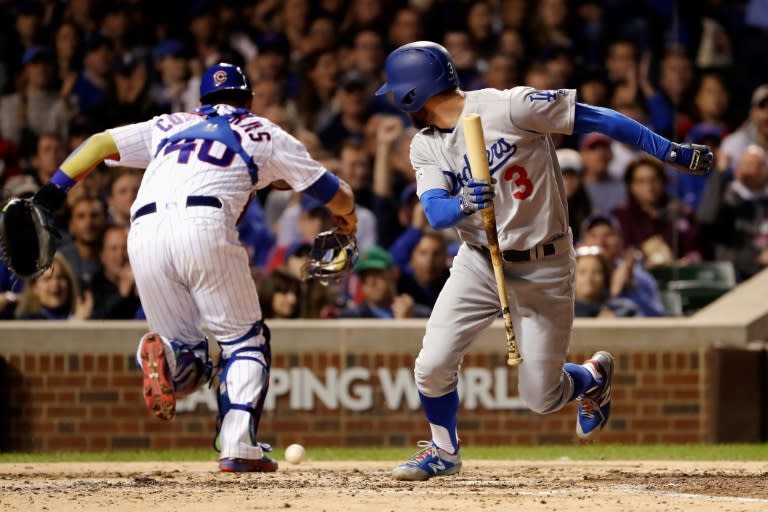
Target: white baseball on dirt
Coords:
[[295, 453]]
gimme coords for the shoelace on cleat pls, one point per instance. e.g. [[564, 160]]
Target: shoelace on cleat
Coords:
[[587, 407], [428, 449]]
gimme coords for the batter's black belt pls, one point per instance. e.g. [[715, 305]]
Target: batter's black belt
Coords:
[[213, 202], [535, 253]]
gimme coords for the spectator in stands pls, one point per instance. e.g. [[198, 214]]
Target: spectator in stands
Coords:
[[423, 267], [121, 194], [690, 188], [10, 291], [406, 27], [48, 155], [629, 278], [480, 27], [279, 295], [86, 227], [67, 58], [349, 122], [592, 287], [596, 154], [579, 204], [367, 54], [318, 85], [711, 101], [54, 295], [36, 107], [465, 58], [378, 283], [94, 86], [113, 287], [301, 221], [663, 228], [667, 103], [753, 131], [166, 93], [353, 166], [734, 216], [321, 35]]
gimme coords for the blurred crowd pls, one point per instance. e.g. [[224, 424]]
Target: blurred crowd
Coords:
[[689, 70]]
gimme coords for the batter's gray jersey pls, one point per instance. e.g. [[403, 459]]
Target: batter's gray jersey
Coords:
[[530, 202]]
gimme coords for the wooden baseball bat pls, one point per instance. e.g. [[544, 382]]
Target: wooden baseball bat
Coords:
[[478, 163]]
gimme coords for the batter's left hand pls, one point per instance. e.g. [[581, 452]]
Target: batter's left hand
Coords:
[[696, 159], [477, 195]]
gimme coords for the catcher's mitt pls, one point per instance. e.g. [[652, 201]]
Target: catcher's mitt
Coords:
[[333, 256], [26, 238]]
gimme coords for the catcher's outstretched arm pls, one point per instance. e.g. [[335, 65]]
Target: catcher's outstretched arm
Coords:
[[82, 160]]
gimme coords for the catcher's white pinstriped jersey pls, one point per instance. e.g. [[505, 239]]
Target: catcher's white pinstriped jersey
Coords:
[[211, 169], [188, 263], [521, 158]]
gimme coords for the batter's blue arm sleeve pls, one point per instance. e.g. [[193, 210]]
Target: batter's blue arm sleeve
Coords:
[[442, 210], [589, 118], [324, 188]]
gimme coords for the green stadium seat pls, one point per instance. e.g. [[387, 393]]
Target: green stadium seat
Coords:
[[718, 273], [693, 295]]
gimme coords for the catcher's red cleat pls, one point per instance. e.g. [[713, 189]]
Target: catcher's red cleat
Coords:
[[158, 387]]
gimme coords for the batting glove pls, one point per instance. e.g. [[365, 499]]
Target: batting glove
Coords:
[[476, 195], [694, 159]]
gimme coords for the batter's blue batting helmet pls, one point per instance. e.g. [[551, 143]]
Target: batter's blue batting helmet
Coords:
[[416, 72], [223, 77]]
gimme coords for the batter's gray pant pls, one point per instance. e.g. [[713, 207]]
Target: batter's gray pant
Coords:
[[541, 303]]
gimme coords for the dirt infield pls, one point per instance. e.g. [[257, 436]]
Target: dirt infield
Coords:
[[561, 486]]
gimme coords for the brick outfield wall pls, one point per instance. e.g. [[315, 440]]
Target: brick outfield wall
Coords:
[[92, 402]]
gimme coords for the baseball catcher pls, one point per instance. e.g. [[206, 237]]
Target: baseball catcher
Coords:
[[27, 232]]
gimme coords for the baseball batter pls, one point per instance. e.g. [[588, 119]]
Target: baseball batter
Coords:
[[529, 198], [190, 268]]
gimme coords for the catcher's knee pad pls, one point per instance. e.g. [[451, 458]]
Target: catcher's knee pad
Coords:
[[193, 366], [190, 365]]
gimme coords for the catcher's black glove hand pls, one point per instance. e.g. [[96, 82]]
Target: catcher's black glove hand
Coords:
[[693, 159], [26, 237], [333, 256]]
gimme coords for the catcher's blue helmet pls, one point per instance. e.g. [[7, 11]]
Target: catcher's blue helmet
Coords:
[[223, 77], [416, 72]]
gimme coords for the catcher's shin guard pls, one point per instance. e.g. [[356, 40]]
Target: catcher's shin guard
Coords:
[[242, 388]]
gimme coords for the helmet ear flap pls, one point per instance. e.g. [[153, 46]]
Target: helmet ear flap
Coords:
[[409, 98]]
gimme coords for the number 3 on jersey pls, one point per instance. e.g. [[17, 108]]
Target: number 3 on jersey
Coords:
[[519, 176]]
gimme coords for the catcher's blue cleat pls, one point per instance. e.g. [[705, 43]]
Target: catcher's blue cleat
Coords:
[[595, 405], [262, 465], [428, 462]]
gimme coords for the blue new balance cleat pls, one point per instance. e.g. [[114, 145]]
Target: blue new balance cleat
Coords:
[[428, 462], [595, 405]]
